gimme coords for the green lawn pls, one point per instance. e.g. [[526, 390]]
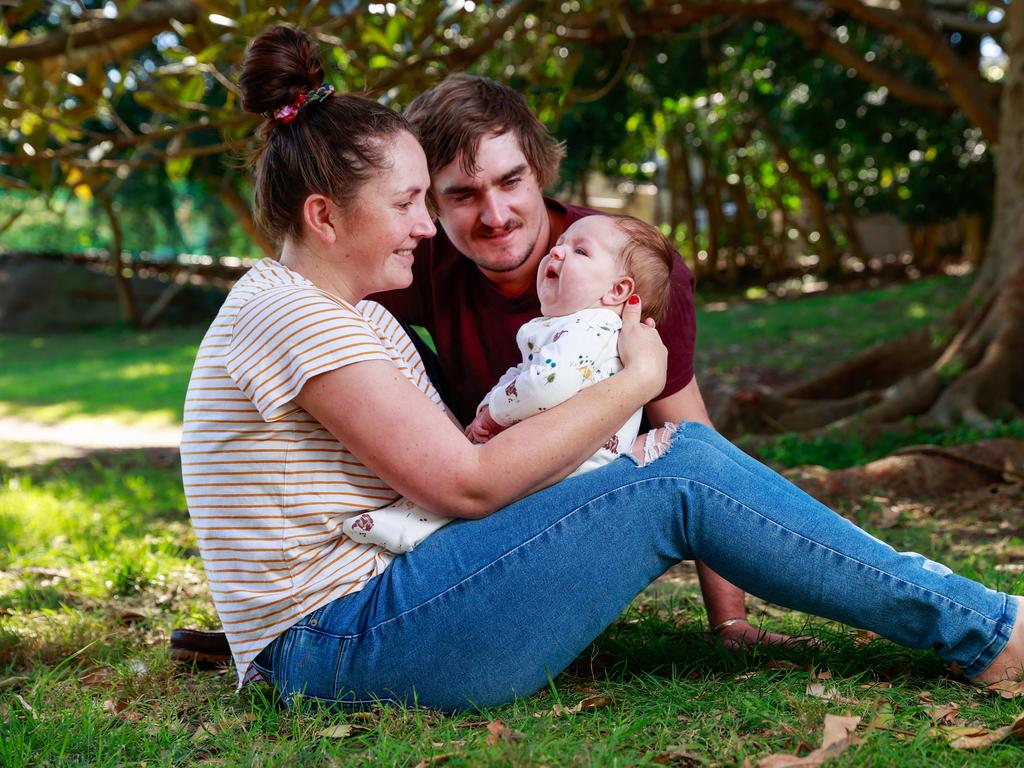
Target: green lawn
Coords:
[[98, 563], [130, 376], [111, 373]]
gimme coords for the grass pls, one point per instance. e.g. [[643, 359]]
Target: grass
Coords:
[[798, 336], [118, 373], [98, 563]]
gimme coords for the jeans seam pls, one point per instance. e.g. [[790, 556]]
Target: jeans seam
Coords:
[[840, 554]]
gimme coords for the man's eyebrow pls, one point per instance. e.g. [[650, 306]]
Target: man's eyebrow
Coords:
[[517, 171], [462, 189]]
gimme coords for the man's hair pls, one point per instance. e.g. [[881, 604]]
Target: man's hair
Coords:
[[647, 257], [456, 114]]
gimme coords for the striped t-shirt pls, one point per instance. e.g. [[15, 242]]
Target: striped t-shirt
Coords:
[[267, 487]]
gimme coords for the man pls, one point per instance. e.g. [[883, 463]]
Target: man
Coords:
[[474, 282]]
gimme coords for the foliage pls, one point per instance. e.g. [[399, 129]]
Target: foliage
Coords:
[[856, 97]]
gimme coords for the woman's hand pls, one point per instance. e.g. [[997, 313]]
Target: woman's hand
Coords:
[[641, 349]]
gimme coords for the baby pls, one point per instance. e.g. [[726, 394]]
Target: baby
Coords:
[[582, 283]]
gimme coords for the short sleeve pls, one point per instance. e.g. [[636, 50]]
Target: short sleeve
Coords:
[[283, 337]]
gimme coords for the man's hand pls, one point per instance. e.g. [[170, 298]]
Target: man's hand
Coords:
[[483, 427]]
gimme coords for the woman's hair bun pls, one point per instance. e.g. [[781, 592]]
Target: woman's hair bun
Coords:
[[280, 63]]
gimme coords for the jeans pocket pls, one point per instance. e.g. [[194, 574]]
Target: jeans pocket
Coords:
[[308, 662]]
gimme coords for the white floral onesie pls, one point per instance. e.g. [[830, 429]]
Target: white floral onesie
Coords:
[[561, 356]]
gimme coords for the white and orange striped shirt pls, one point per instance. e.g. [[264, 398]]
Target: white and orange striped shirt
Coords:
[[268, 487]]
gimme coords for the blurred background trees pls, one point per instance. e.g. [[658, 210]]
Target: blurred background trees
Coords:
[[782, 144]]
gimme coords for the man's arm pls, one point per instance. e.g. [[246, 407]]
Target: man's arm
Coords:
[[723, 600]]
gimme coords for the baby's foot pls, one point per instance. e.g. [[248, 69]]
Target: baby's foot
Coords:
[[1008, 665]]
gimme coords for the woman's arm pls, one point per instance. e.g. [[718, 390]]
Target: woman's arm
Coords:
[[384, 420]]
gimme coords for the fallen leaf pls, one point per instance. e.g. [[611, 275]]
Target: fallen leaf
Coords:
[[819, 691], [744, 676], [678, 756], [128, 616], [498, 731], [877, 685], [337, 731], [27, 707], [823, 675], [204, 731], [114, 707], [589, 704], [1008, 689], [840, 734], [435, 760], [988, 738], [943, 713], [11, 682], [864, 637], [924, 697], [97, 677], [781, 664]]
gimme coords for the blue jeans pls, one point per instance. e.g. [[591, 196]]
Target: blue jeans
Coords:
[[485, 611]]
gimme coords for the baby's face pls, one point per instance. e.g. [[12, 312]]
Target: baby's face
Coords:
[[582, 268]]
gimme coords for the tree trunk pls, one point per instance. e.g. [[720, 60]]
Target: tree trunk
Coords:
[[972, 228], [122, 283], [846, 210], [684, 207], [713, 205], [970, 370]]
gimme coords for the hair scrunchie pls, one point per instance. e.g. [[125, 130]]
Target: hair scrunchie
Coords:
[[289, 112]]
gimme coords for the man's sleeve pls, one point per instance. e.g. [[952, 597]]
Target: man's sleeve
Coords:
[[679, 330]]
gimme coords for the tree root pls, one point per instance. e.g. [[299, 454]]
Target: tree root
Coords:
[[921, 472], [974, 377]]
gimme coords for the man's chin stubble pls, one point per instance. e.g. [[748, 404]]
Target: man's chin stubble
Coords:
[[506, 267]]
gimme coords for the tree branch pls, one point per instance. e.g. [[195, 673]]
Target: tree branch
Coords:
[[819, 37], [146, 16]]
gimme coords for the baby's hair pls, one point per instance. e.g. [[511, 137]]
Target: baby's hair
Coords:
[[647, 257]]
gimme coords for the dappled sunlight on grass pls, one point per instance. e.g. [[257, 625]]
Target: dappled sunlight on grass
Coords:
[[111, 372]]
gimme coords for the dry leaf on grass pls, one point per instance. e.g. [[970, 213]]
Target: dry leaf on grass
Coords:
[[1008, 689], [435, 760], [943, 713], [114, 706], [337, 731], [498, 731], [12, 682], [26, 706], [819, 691], [97, 677], [988, 738], [678, 757], [589, 704], [840, 733], [204, 731]]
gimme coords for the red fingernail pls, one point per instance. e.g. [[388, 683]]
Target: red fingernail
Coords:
[[634, 299]]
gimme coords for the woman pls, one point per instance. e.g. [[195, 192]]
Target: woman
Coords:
[[308, 405]]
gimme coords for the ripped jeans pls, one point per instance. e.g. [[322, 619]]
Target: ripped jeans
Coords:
[[485, 611]]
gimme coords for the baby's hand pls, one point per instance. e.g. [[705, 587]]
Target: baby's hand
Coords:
[[483, 427]]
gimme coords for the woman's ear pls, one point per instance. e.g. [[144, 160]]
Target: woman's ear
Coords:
[[621, 290], [319, 213]]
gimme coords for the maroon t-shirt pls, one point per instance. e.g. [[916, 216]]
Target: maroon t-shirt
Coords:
[[474, 326]]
